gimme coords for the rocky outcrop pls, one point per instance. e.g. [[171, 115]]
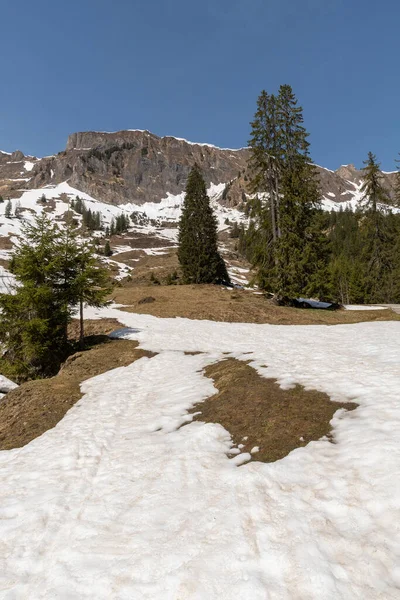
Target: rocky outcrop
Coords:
[[135, 166], [14, 175], [138, 166]]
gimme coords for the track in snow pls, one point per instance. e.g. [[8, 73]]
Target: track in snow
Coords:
[[119, 502]]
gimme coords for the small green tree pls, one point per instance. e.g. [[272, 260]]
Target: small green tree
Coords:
[[198, 247], [107, 249], [8, 210], [54, 273]]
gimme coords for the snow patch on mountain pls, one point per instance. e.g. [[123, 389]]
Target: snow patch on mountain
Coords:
[[356, 202], [28, 165]]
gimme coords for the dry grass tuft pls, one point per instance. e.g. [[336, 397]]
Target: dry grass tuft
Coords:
[[215, 303]]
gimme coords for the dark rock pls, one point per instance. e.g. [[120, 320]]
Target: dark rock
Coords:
[[147, 300]]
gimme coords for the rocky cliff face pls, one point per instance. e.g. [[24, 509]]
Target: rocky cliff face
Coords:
[[135, 166], [15, 172], [138, 166]]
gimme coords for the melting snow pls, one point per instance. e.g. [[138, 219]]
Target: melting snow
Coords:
[[119, 501]]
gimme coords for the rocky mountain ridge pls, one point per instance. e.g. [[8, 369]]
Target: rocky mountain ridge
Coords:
[[138, 166]]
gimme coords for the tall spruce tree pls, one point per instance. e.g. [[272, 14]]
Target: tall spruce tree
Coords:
[[198, 249], [265, 156], [290, 249], [373, 190], [377, 233]]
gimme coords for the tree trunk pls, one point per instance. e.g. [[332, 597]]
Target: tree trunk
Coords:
[[273, 217], [81, 327], [277, 200]]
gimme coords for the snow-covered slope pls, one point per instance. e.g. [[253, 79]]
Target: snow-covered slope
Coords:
[[120, 502], [168, 210]]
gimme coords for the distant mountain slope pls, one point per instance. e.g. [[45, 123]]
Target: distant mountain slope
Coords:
[[135, 166]]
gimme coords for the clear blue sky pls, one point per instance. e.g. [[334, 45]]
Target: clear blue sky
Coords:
[[194, 69]]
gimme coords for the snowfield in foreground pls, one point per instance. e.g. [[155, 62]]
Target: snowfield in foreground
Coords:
[[118, 502]]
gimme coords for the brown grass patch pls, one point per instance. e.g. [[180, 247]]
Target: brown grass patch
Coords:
[[36, 406], [161, 265], [6, 243], [275, 420], [215, 303], [93, 327]]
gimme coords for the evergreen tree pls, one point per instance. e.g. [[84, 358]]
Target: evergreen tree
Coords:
[[264, 156], [8, 210], [198, 249], [54, 272], [377, 233], [285, 240], [17, 209], [372, 188], [34, 319], [107, 249]]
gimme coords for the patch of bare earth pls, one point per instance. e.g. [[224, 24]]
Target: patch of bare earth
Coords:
[[216, 303], [36, 406], [93, 327], [5, 243], [143, 265], [259, 413]]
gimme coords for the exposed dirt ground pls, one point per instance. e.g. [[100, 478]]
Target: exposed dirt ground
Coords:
[[36, 406], [216, 303], [143, 264], [5, 243], [93, 327], [258, 413]]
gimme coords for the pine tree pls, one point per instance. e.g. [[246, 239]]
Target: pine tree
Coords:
[[287, 244], [372, 188], [302, 250], [264, 156], [107, 249], [54, 272], [198, 249], [377, 235], [8, 210], [17, 209], [35, 318]]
